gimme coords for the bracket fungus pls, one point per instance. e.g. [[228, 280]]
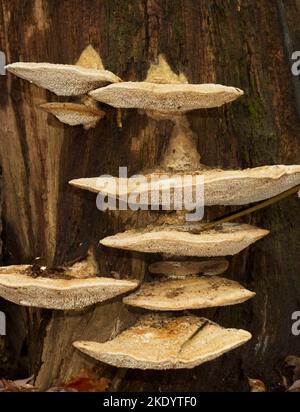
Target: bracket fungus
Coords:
[[221, 187], [63, 288], [160, 341], [181, 269], [165, 98], [190, 293], [74, 114], [62, 79], [164, 342], [229, 239], [181, 342], [165, 92], [67, 79]]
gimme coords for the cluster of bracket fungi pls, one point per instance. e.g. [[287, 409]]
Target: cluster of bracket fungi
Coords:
[[158, 340]]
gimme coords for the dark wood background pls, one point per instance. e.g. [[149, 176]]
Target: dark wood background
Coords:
[[243, 43]]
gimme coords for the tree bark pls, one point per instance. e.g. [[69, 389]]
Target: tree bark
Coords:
[[237, 43]]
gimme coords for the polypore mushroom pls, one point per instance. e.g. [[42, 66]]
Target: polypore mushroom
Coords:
[[162, 342], [66, 288], [190, 293], [66, 79], [229, 239], [165, 92], [74, 114], [180, 169], [165, 98], [221, 187], [182, 269]]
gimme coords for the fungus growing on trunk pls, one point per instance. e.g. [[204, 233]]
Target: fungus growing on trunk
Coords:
[[66, 79], [221, 187], [164, 342], [181, 241], [165, 93], [190, 293], [74, 114], [65, 288], [62, 79], [70, 80], [165, 98]]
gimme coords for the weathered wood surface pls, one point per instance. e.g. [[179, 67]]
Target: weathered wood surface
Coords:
[[238, 43]]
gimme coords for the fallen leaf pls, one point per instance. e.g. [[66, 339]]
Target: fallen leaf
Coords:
[[83, 384], [256, 385], [20, 385]]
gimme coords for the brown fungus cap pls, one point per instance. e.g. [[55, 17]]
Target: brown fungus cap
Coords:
[[229, 239], [189, 293], [19, 284], [163, 342]]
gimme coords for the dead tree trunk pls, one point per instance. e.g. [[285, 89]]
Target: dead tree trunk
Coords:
[[238, 43]]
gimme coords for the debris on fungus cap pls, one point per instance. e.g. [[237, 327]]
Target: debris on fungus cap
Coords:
[[67, 288], [67, 79], [74, 113], [221, 187], [189, 293], [229, 239], [181, 269], [164, 342]]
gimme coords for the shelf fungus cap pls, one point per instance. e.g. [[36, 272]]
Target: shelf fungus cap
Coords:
[[189, 293], [221, 187], [17, 286], [163, 342], [181, 269], [166, 92], [74, 114], [63, 79], [228, 239], [165, 98]]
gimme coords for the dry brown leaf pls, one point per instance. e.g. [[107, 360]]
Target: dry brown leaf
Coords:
[[20, 385], [256, 385], [87, 381]]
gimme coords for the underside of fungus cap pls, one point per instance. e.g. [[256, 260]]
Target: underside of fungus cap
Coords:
[[229, 239], [189, 293], [221, 187], [165, 92], [165, 342], [61, 288], [165, 98], [62, 79], [74, 114], [181, 269]]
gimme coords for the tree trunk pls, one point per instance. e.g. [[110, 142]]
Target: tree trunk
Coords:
[[237, 43]]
